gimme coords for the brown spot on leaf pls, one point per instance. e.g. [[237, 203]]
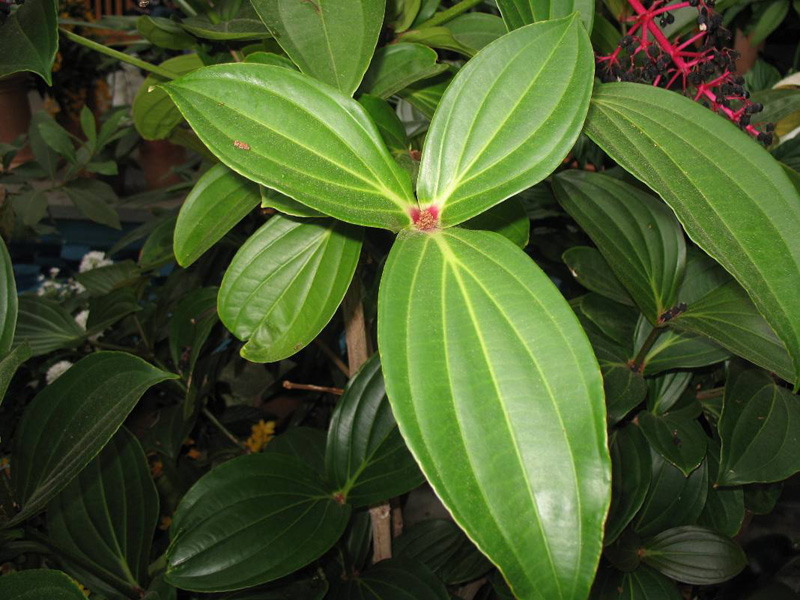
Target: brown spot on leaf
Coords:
[[241, 145]]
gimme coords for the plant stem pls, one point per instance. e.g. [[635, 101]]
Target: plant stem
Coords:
[[381, 532], [121, 56], [451, 13], [638, 362], [710, 394], [290, 385], [224, 430]]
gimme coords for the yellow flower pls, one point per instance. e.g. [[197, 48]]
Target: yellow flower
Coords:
[[166, 521], [262, 433], [194, 454], [156, 468]]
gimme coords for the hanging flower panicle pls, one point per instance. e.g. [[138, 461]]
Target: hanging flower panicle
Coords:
[[696, 64]]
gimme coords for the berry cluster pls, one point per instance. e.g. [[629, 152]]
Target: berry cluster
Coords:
[[698, 65]]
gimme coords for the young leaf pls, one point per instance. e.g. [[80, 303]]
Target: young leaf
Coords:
[[630, 479], [331, 40], [252, 520], [679, 440], [45, 325], [694, 555], [635, 232], [217, 202], [759, 429], [71, 420], [591, 270], [397, 66], [393, 579], [303, 138], [8, 300], [107, 516], [518, 13], [39, 583], [507, 120], [477, 344], [732, 197], [29, 40], [366, 458], [285, 283]]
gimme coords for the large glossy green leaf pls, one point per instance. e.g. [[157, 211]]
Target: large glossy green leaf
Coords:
[[331, 40], [298, 136], [507, 120], [394, 579], [397, 66], [680, 440], [286, 282], [759, 429], [37, 584], [694, 555], [251, 520], [724, 509], [729, 193], [218, 201], [8, 300], [630, 479], [107, 516], [729, 317], [480, 353], [29, 40], [593, 272], [518, 13], [71, 420], [643, 583], [190, 325], [45, 326], [154, 114], [366, 457], [636, 233]]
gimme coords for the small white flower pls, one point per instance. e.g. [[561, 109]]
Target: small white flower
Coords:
[[54, 271], [57, 370], [94, 259], [81, 319], [75, 287]]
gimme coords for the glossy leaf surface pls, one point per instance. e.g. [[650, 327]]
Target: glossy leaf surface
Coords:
[[286, 282], [476, 30], [591, 270], [508, 218], [729, 194], [8, 300], [36, 584], [218, 201], [303, 138], [724, 510], [636, 233], [331, 40], [366, 457], [71, 420], [630, 479], [29, 40], [679, 440], [477, 346], [507, 119], [677, 350], [45, 326], [251, 520], [397, 66], [518, 13]]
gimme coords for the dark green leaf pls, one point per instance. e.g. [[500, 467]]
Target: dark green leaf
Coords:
[[270, 58], [694, 555], [106, 310], [477, 345], [476, 30], [300, 137], [107, 167], [761, 498], [426, 94], [244, 24], [591, 270], [680, 441], [71, 420], [508, 218], [643, 583], [45, 155], [252, 520], [38, 584], [674, 350], [438, 37], [157, 248], [769, 21], [304, 443], [397, 66], [105, 279], [331, 40], [284, 204], [665, 390], [95, 199], [389, 124], [9, 365], [630, 479], [164, 33], [366, 458], [605, 35], [190, 326], [393, 579], [58, 138], [45, 326], [472, 160], [285, 284], [88, 126], [778, 104], [8, 300], [401, 13], [29, 40], [518, 13], [724, 509], [729, 194]]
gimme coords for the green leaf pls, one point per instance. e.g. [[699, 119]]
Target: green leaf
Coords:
[[45, 325], [665, 390], [778, 104], [769, 21], [157, 249], [164, 33], [154, 114], [300, 137], [724, 509], [759, 429], [426, 94], [729, 194], [29, 40], [472, 159], [477, 344], [400, 14], [95, 199], [281, 203], [508, 218], [105, 279], [389, 124], [107, 516], [591, 270], [630, 479], [393, 579], [88, 125], [643, 583], [9, 365], [605, 35], [331, 40], [218, 201], [673, 499], [244, 24], [476, 30], [106, 167], [679, 440], [674, 350], [71, 420], [304, 443], [286, 282], [58, 138], [397, 66], [106, 310], [36, 584], [437, 37], [729, 317], [761, 498], [190, 325], [635, 232], [518, 13], [694, 555], [366, 458], [8, 301], [614, 320], [252, 520], [45, 155], [270, 58]]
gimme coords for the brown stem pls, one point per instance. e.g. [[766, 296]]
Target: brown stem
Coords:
[[290, 385], [381, 532], [397, 517], [637, 364], [333, 356], [709, 394]]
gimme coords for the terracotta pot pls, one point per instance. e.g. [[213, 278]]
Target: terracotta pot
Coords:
[[15, 112], [157, 158]]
